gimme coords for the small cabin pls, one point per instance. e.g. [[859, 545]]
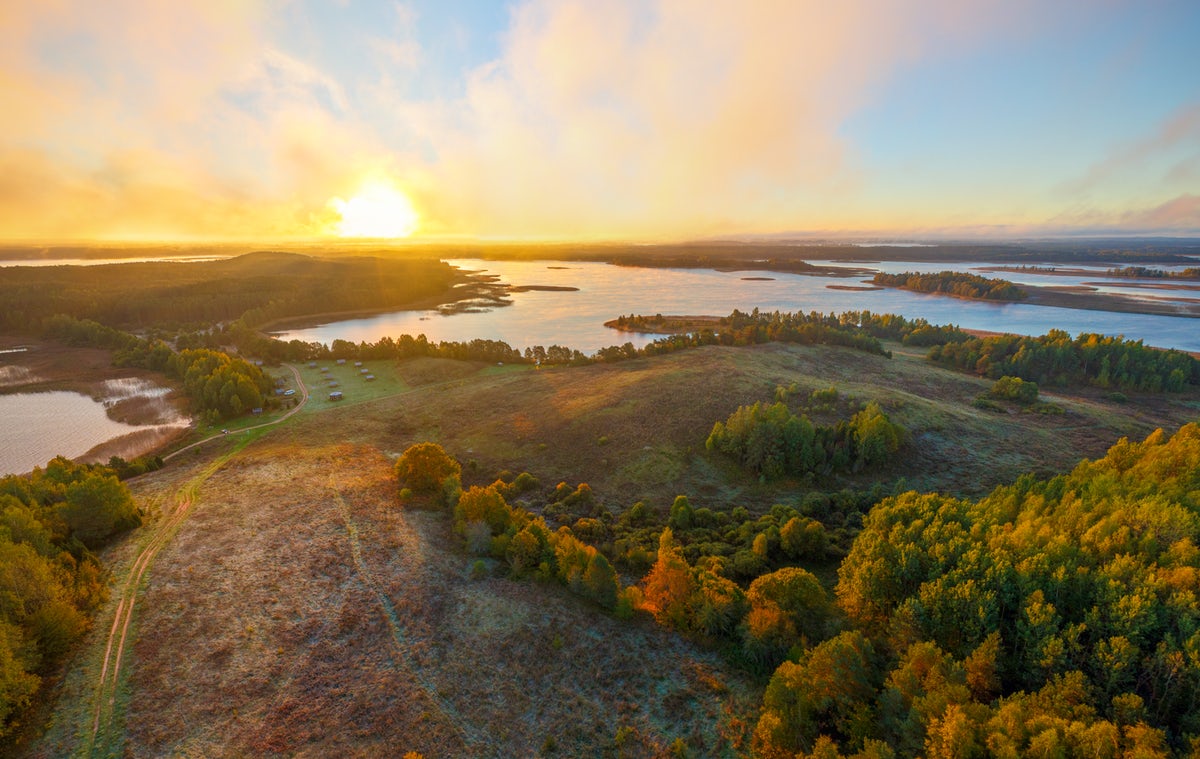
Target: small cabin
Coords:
[[341, 361], [358, 363], [364, 371], [336, 395], [312, 364], [334, 383], [324, 370], [256, 411], [369, 377]]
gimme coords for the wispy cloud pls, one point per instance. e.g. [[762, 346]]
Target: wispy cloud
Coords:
[[1178, 132]]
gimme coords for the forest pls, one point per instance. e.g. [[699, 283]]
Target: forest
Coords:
[[958, 284], [1146, 272], [255, 288], [1053, 617], [50, 581], [1057, 359]]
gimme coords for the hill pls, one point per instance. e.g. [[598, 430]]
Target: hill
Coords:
[[300, 609]]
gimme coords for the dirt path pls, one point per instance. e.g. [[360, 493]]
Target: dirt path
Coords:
[[472, 738], [105, 737]]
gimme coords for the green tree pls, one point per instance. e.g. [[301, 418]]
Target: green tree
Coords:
[[600, 581], [97, 506]]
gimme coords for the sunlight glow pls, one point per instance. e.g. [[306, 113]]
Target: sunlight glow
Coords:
[[378, 210]]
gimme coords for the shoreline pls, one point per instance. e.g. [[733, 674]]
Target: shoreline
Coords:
[[49, 366]]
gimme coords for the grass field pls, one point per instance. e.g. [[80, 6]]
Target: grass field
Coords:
[[300, 611]]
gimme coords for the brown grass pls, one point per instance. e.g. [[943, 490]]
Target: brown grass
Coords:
[[299, 611], [655, 415]]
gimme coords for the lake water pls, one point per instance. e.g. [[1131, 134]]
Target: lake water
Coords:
[[576, 319], [39, 426], [36, 427], [103, 261]]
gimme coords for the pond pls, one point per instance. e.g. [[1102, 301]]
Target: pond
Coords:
[[36, 427], [576, 318]]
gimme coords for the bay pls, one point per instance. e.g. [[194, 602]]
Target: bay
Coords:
[[576, 319]]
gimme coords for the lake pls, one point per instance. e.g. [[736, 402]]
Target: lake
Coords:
[[36, 427], [102, 261], [34, 431], [576, 319]]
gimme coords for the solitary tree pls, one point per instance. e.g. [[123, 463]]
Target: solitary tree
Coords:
[[424, 467]]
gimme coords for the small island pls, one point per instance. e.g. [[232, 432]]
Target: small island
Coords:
[[953, 283]]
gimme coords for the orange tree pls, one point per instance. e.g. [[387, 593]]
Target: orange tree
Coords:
[[424, 467]]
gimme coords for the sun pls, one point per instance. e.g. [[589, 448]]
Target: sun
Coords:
[[378, 210]]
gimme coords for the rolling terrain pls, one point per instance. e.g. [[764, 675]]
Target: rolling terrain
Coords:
[[299, 609]]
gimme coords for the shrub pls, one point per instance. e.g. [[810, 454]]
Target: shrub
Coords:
[[424, 467], [1014, 389]]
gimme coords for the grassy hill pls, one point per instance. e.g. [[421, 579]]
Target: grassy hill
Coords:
[[300, 610]]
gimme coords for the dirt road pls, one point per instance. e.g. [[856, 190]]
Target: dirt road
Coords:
[[105, 737]]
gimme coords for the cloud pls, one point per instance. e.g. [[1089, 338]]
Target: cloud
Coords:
[[627, 118], [1180, 214], [678, 118], [1178, 132], [140, 117]]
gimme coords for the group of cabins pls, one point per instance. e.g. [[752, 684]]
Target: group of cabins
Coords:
[[337, 395]]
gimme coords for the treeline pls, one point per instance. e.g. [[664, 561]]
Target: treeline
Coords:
[[218, 385], [858, 330], [958, 284], [256, 288], [1052, 618], [50, 583], [773, 442], [1143, 272], [1057, 359]]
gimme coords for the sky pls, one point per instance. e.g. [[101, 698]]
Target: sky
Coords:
[[634, 120]]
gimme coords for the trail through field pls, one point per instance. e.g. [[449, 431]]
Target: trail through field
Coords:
[[467, 730], [106, 733]]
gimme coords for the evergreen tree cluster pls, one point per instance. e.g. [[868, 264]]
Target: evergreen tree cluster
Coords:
[[770, 440], [1053, 617], [956, 283], [1057, 359]]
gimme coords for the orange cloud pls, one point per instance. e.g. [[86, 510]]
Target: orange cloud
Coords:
[[665, 118]]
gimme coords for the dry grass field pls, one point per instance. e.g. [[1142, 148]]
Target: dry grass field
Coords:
[[299, 611], [636, 430]]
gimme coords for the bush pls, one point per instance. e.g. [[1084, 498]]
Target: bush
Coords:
[[1014, 389], [424, 467]]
